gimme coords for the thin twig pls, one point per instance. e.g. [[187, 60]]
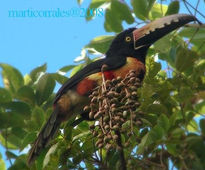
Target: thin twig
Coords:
[[195, 25], [122, 157], [187, 7], [185, 3], [196, 7]]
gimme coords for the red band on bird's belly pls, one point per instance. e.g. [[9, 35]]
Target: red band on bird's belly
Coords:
[[109, 75], [85, 86]]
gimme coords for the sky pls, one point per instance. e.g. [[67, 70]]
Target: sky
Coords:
[[28, 42]]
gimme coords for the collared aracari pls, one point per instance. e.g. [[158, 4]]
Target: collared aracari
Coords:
[[126, 52]]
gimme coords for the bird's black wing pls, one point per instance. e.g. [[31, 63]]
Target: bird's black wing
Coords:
[[112, 63]]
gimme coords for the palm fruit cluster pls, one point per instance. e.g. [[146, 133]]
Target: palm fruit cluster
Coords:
[[113, 107]]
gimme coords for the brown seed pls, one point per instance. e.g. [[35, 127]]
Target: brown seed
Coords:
[[134, 93], [111, 94], [115, 127], [117, 118], [113, 110], [114, 100], [115, 137], [92, 126], [132, 80], [120, 114], [107, 127], [126, 144], [100, 145], [107, 83], [137, 104], [133, 88], [134, 116], [122, 120], [95, 133], [108, 146], [114, 81], [132, 74], [100, 135], [98, 114], [94, 100], [86, 108], [119, 78], [109, 136], [106, 139], [125, 113], [95, 93], [98, 142], [91, 115], [137, 84]]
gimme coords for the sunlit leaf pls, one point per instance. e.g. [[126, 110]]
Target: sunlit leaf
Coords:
[[35, 73], [2, 163], [173, 8], [12, 78], [44, 88]]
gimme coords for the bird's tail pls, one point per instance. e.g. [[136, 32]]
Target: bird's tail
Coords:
[[45, 135]]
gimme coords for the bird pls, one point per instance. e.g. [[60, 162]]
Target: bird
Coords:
[[127, 52]]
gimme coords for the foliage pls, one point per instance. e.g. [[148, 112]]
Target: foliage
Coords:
[[172, 102]]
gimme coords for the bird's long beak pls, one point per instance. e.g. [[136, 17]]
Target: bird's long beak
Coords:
[[155, 30]]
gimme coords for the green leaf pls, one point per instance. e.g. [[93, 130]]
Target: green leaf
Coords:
[[173, 8], [156, 108], [202, 126], [140, 8], [123, 11], [49, 154], [193, 33], [112, 22], [185, 59], [35, 73], [20, 108], [29, 138], [12, 78], [152, 67], [192, 126], [151, 137], [101, 43], [5, 95], [157, 11], [81, 135], [172, 149], [59, 78], [38, 117], [10, 119], [44, 88], [2, 163], [163, 122], [26, 94], [66, 68], [76, 69]]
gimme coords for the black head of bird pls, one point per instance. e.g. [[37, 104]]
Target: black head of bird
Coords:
[[135, 42]]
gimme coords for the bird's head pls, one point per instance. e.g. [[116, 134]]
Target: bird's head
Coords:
[[135, 42]]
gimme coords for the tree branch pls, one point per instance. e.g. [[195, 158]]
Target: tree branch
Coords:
[[121, 151], [195, 25]]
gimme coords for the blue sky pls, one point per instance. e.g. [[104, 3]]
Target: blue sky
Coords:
[[26, 43]]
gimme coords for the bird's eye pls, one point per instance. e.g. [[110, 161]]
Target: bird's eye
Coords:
[[127, 39]]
